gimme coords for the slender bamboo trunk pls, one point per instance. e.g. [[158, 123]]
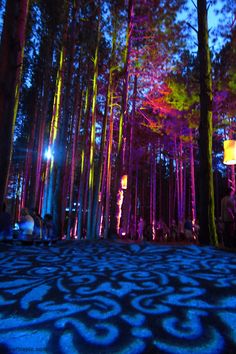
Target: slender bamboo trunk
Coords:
[[154, 192], [77, 117], [92, 140], [160, 184], [82, 183], [50, 170], [184, 199], [192, 171], [97, 205], [108, 181], [40, 165], [181, 184], [151, 188], [28, 187], [171, 202], [122, 153]]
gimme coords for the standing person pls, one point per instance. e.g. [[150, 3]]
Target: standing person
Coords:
[[38, 225], [196, 230], [140, 229], [173, 231], [132, 228], [188, 229], [48, 228], [26, 225], [5, 224], [228, 217]]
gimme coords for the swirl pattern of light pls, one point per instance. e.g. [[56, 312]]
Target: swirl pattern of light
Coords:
[[116, 297]]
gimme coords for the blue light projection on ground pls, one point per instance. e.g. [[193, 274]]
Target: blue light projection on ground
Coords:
[[102, 297]]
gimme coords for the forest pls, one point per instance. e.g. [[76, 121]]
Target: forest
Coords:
[[115, 110]]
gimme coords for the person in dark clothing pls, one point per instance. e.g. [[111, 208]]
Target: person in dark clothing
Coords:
[[5, 224], [48, 228], [188, 229], [228, 217], [38, 225]]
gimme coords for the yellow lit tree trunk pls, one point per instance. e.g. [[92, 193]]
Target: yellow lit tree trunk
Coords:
[[92, 141]]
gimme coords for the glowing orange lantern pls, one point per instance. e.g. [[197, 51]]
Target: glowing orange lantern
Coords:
[[229, 152], [124, 180]]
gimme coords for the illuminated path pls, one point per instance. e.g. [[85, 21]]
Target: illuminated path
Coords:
[[110, 297]]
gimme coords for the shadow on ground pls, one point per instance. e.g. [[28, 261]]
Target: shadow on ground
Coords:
[[113, 297]]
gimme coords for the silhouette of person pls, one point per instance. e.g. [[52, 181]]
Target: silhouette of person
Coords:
[[48, 228], [5, 224], [26, 225], [228, 217]]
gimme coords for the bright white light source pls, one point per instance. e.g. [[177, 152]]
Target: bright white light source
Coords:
[[48, 154]]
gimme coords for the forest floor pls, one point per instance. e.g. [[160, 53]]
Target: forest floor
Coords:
[[97, 297]]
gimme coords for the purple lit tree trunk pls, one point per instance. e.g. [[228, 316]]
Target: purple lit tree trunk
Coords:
[[109, 166], [184, 208], [136, 199], [160, 184], [207, 233], [231, 169], [153, 212], [192, 171], [75, 127], [171, 203], [83, 165], [181, 184], [11, 63]]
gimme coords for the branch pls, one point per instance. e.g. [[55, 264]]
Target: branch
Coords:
[[194, 4], [234, 20], [193, 28]]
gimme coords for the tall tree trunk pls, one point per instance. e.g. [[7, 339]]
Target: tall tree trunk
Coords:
[[50, 167], [37, 176], [82, 183], [97, 205], [75, 132], [65, 133], [76, 116], [108, 181], [123, 152], [92, 139], [129, 161], [11, 63], [28, 163], [181, 184], [207, 209], [172, 189], [153, 220], [192, 171]]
